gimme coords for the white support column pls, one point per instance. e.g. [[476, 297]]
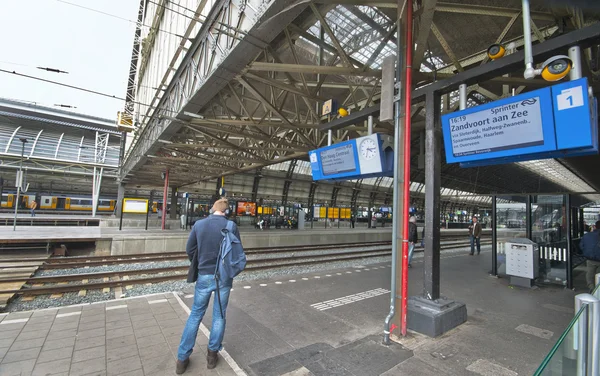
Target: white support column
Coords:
[[96, 186], [370, 126]]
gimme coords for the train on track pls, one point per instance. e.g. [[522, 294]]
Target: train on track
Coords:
[[58, 203]]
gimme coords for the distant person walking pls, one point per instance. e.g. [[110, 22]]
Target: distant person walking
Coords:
[[33, 207], [475, 234], [590, 244], [413, 237]]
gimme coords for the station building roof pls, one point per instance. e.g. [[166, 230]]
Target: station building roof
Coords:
[[58, 143], [234, 104]]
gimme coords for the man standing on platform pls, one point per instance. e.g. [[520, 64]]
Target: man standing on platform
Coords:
[[590, 244], [475, 234], [33, 207], [203, 246]]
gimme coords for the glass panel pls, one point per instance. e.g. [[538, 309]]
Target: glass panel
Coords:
[[510, 223], [550, 232], [562, 359]]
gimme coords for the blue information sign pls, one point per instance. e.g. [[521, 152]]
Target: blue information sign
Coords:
[[556, 121], [367, 156]]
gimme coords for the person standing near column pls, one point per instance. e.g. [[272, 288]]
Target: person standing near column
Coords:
[[412, 238], [590, 244], [475, 234]]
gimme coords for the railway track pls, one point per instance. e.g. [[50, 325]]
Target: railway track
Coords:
[[259, 259]]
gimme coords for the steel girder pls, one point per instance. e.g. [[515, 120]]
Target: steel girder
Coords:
[[216, 54]]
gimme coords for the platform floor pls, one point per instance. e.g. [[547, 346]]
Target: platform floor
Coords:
[[326, 323], [137, 336], [331, 323]]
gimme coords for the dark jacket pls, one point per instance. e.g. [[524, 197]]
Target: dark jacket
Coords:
[[203, 245], [475, 229], [590, 245], [413, 237]]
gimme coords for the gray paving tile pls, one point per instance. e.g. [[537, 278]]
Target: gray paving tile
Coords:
[[57, 325], [19, 315], [121, 341], [10, 327], [118, 324], [58, 343], [34, 320], [46, 313], [33, 335], [17, 368], [92, 317], [86, 343], [98, 373], [56, 354], [37, 327], [137, 372], [27, 344], [89, 353], [60, 334], [143, 332], [121, 353], [124, 365], [149, 352], [122, 316], [177, 323], [159, 365], [83, 334], [3, 351], [121, 332], [92, 366], [21, 355], [166, 316], [151, 340], [143, 317], [7, 341], [51, 368], [91, 325], [172, 331]]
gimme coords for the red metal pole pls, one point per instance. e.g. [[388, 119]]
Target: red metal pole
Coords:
[[407, 123], [165, 192]]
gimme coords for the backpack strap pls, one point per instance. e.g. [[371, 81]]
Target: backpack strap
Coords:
[[229, 226]]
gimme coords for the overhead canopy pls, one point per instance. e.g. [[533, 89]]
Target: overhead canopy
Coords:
[[248, 94]]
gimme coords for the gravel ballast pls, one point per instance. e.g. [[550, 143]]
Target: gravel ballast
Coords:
[[180, 285]]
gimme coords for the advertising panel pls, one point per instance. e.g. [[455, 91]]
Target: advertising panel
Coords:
[[245, 208]]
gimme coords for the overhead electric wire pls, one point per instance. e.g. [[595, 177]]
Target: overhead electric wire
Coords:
[[120, 18], [76, 88]]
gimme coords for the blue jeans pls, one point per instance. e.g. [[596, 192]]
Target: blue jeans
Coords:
[[473, 241], [205, 285], [411, 249]]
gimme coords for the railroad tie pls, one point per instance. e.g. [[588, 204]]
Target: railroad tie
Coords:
[[126, 278], [106, 290]]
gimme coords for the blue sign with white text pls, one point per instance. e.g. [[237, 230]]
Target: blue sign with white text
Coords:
[[552, 122], [367, 156]]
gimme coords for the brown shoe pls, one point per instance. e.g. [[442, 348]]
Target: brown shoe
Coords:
[[181, 366], [211, 359]]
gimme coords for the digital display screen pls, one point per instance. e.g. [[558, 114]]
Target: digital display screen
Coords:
[[509, 126], [338, 160]]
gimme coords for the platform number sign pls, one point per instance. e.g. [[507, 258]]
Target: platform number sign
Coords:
[[570, 98]]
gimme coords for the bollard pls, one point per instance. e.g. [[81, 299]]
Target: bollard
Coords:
[[588, 335]]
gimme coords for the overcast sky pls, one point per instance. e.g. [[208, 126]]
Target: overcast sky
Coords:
[[94, 48]]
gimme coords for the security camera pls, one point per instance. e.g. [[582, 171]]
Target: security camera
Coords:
[[556, 68], [496, 51]]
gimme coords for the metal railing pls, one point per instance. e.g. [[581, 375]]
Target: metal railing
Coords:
[[577, 351]]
